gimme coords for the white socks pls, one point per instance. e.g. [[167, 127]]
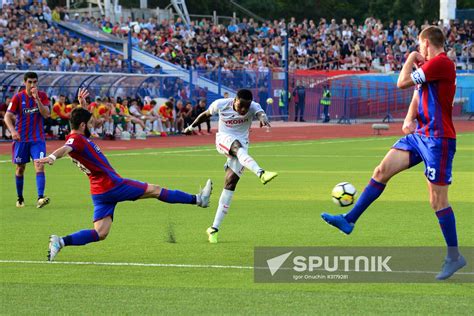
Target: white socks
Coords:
[[157, 126], [248, 162], [224, 204], [109, 128]]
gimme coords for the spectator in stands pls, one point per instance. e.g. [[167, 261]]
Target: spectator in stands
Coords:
[[201, 107], [61, 117], [130, 119], [166, 115], [98, 110], [187, 114], [180, 112], [148, 118], [299, 94]]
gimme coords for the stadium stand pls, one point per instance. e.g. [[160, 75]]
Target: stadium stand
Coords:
[[250, 45], [30, 39]]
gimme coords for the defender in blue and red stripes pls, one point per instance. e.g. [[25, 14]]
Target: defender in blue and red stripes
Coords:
[[107, 187], [28, 109], [430, 137]]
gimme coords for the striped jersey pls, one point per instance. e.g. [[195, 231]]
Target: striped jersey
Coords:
[[29, 121], [436, 81], [88, 157]]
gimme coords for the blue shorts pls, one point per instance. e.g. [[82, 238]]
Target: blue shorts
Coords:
[[128, 190], [436, 153], [22, 151]]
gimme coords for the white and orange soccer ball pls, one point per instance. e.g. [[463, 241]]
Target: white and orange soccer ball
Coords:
[[344, 194]]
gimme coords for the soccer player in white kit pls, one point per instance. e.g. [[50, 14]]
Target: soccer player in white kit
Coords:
[[232, 140]]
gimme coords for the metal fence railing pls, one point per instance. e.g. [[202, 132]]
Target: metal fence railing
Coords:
[[352, 96]]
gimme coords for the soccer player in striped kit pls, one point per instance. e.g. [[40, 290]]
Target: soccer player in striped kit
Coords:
[[107, 187], [27, 110], [430, 137]]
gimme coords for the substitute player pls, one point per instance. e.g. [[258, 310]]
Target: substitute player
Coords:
[[430, 137], [28, 109], [232, 140], [107, 187]]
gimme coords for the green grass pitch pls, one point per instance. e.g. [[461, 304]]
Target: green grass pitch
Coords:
[[282, 213]]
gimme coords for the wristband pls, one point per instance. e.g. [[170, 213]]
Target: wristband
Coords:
[[53, 157]]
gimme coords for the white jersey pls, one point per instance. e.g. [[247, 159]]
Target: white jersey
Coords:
[[231, 122]]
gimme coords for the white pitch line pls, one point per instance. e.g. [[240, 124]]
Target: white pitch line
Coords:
[[196, 266], [133, 264], [255, 146]]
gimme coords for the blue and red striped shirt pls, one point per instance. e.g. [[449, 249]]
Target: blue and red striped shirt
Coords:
[[89, 158], [29, 121], [437, 87]]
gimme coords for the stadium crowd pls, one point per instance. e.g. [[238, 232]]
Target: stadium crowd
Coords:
[[259, 46], [30, 39]]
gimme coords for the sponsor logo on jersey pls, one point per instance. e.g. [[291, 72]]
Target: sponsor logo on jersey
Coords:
[[236, 121], [30, 111]]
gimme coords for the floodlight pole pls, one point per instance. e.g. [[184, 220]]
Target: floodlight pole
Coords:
[[129, 49], [286, 60]]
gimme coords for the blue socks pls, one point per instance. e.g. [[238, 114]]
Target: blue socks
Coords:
[[81, 238], [447, 222], [40, 183], [19, 186], [370, 194], [175, 196]]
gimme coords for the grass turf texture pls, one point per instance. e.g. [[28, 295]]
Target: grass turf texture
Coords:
[[282, 213]]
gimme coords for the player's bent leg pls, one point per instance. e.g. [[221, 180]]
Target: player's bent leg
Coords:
[[248, 162], [102, 227], [225, 200], [447, 221], [394, 162], [19, 180]]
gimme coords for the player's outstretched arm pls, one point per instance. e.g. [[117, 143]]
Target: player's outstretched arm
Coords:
[[263, 118], [404, 79], [58, 153], [200, 119]]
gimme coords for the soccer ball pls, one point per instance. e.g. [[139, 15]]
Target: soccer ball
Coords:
[[269, 101], [344, 194]]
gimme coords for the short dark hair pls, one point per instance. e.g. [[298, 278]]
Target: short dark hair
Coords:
[[78, 116], [434, 35], [30, 75], [245, 95]]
